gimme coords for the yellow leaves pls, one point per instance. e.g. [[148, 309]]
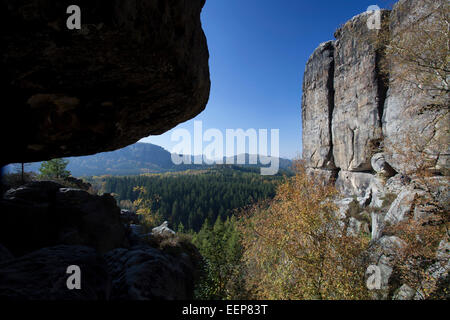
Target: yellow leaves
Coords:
[[294, 248], [141, 190], [421, 239], [143, 207], [143, 211]]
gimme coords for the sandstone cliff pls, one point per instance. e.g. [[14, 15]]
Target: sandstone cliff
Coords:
[[361, 129], [351, 112]]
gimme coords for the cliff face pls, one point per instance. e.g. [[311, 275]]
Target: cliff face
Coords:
[[407, 119], [135, 68], [342, 107], [363, 130], [358, 93], [351, 112], [317, 107]]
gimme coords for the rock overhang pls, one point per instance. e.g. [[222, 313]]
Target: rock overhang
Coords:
[[134, 69]]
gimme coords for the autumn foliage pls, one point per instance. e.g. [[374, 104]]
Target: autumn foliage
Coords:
[[419, 264], [143, 205], [297, 247]]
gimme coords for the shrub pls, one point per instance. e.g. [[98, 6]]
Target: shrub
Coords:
[[296, 246]]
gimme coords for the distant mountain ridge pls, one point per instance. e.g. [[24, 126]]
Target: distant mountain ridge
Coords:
[[136, 159]]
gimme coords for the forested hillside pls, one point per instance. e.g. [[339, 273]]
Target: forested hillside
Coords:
[[192, 197], [135, 159]]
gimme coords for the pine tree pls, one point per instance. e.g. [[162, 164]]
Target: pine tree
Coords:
[[180, 228], [54, 169]]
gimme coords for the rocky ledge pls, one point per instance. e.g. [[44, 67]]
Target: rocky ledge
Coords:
[[136, 68], [45, 228]]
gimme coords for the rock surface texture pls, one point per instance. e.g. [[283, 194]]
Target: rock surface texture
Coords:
[[135, 68], [145, 273], [317, 107], [358, 96], [356, 122], [44, 213], [138, 273], [41, 275], [407, 120], [45, 228]]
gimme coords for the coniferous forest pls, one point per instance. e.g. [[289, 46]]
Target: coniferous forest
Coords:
[[204, 206], [187, 199]]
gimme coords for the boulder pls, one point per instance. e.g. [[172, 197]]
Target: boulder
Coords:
[[136, 68], [405, 293], [353, 216], [144, 273], [396, 183], [401, 122], [41, 275], [163, 230], [433, 196], [380, 165], [44, 213], [140, 273], [403, 206], [354, 183], [78, 183], [36, 191]]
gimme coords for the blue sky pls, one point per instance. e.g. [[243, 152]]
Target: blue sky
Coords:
[[258, 51]]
